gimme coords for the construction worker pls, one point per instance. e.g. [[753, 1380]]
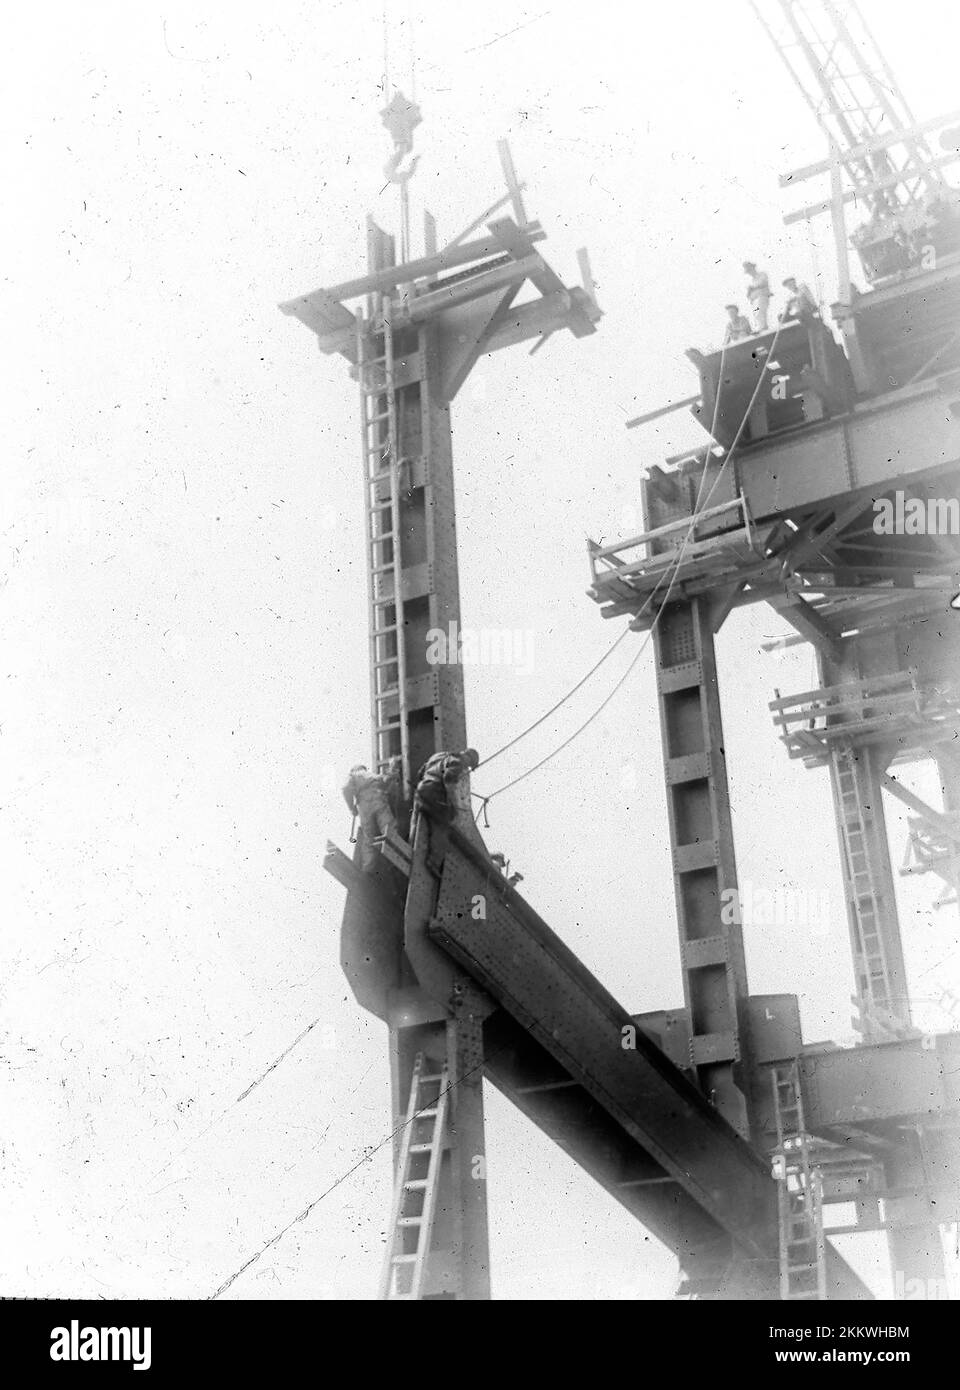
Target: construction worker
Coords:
[[503, 864], [884, 199], [801, 303], [758, 293], [738, 326], [438, 779], [367, 795], [393, 775]]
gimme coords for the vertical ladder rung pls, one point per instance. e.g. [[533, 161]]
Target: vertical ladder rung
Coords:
[[422, 1224]]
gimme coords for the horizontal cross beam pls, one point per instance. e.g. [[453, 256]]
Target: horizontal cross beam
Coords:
[[879, 142], [394, 275]]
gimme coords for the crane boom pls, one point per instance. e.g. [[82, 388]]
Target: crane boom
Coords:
[[833, 57]]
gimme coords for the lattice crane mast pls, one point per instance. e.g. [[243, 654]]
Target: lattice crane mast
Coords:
[[877, 146], [835, 61]]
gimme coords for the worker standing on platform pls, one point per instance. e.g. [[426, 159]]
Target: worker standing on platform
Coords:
[[884, 199], [758, 293], [438, 779], [367, 795], [738, 326], [801, 303]]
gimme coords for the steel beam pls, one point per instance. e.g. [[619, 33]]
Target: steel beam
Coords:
[[517, 959], [852, 195], [883, 1087], [574, 1059], [867, 147], [807, 621], [901, 435], [389, 277]]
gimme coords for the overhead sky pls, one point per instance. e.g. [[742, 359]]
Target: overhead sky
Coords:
[[183, 610]]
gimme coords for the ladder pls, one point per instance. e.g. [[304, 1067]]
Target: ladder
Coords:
[[381, 471], [418, 1177], [803, 1266], [873, 978]]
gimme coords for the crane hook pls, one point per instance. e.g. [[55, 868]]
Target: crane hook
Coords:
[[392, 169]]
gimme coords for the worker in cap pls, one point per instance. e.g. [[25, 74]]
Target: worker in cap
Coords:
[[439, 778], [367, 794], [758, 293], [738, 326], [800, 302]]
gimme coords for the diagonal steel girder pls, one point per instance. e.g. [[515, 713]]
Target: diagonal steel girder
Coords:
[[568, 1015]]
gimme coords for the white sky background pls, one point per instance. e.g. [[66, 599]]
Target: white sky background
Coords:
[[183, 615]]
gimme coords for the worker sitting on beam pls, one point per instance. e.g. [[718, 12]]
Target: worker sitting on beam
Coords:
[[738, 326]]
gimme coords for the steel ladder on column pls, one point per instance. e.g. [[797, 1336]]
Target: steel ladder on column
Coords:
[[803, 1269], [418, 1176], [381, 465], [880, 1021]]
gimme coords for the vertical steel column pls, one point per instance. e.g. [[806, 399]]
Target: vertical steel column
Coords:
[[426, 569], [468, 1153], [704, 866], [458, 1260], [427, 580], [412, 353], [915, 1168]]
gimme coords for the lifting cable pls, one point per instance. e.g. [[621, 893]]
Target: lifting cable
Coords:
[[699, 506], [611, 649], [562, 701], [484, 800]]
